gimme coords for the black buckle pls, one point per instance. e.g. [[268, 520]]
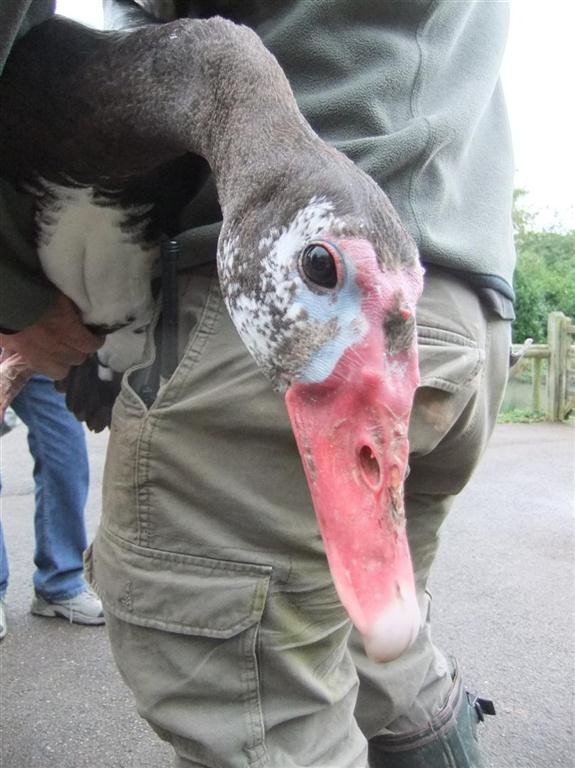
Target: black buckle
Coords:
[[481, 706]]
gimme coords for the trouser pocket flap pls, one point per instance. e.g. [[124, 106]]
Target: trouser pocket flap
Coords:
[[447, 361], [175, 592]]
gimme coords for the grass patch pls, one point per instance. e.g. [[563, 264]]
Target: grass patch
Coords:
[[520, 416]]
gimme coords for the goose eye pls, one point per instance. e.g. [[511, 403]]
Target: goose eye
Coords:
[[318, 266]]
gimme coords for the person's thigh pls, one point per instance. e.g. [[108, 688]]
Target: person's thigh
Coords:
[[56, 438], [220, 607], [463, 352]]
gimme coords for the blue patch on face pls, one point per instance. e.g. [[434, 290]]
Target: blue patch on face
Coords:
[[343, 306]]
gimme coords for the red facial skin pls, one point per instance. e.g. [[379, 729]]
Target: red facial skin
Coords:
[[351, 431]]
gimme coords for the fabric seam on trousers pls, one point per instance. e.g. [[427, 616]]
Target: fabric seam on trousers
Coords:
[[433, 334], [198, 561], [211, 312], [143, 490], [250, 673], [482, 374]]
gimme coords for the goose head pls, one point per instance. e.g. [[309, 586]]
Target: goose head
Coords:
[[324, 299]]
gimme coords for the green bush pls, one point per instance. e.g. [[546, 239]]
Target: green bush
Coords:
[[544, 277]]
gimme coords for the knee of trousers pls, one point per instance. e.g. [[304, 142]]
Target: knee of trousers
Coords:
[[449, 741]]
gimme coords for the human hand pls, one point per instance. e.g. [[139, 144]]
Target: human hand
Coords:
[[54, 344], [14, 373]]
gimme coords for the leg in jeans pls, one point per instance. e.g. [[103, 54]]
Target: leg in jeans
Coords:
[[412, 710], [61, 477], [4, 575], [4, 571]]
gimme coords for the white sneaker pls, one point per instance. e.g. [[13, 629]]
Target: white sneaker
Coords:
[[85, 608], [9, 421], [3, 624]]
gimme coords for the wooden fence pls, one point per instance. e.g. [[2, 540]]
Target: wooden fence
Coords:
[[557, 398]]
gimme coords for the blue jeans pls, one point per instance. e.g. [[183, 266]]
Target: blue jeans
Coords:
[[61, 476]]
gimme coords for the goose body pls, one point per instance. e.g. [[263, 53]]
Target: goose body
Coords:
[[318, 274]]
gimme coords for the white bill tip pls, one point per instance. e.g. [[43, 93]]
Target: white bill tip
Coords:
[[394, 630]]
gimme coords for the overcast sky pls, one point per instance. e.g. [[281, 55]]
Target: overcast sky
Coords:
[[538, 75]]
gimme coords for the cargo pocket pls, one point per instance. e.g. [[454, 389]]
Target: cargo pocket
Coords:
[[447, 361], [450, 365], [184, 632]]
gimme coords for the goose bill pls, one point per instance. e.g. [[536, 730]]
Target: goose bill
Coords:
[[351, 432]]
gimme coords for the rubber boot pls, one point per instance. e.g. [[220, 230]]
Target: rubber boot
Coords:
[[450, 740]]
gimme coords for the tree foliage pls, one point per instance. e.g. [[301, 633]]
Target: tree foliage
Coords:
[[545, 274]]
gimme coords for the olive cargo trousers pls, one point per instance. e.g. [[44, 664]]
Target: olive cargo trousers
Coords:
[[219, 603]]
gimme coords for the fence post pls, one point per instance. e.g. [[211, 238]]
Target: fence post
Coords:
[[537, 363], [558, 340]]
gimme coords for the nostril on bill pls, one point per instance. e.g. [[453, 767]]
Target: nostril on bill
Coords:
[[369, 466]]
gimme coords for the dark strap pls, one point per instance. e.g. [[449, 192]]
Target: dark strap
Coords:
[[170, 253]]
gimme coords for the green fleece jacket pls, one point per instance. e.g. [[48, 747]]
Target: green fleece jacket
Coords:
[[410, 90], [25, 294]]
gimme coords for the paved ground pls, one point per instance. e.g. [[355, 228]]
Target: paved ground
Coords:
[[504, 604]]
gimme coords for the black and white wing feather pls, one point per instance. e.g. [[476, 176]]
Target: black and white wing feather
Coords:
[[98, 225]]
